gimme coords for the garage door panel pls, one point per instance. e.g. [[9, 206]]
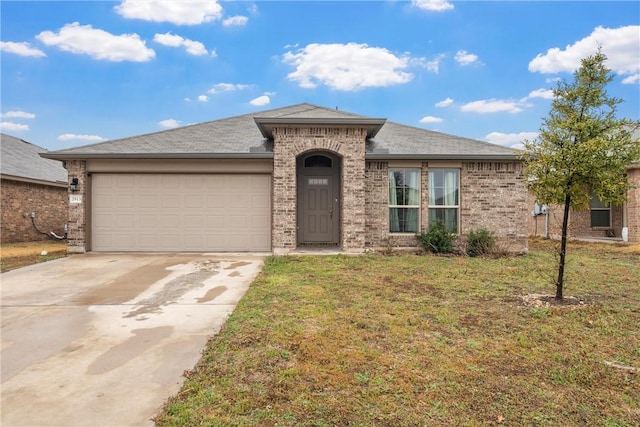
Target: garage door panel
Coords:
[[181, 212]]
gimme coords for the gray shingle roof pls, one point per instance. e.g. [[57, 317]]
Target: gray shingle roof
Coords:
[[22, 159], [240, 137]]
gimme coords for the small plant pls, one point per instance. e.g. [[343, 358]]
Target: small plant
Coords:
[[437, 239], [480, 242]]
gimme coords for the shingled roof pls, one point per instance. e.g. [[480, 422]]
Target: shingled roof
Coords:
[[241, 137], [21, 160]]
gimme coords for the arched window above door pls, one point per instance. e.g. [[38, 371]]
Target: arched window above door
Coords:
[[318, 161]]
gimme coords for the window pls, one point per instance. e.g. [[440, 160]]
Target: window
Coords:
[[600, 212], [404, 200], [317, 161], [444, 201]]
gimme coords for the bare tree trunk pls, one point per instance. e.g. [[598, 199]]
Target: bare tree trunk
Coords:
[[563, 246]]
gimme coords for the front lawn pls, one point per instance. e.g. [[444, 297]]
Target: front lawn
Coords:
[[425, 340]]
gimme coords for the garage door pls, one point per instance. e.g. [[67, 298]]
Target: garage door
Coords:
[[180, 212]]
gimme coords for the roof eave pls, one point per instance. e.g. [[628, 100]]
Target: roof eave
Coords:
[[62, 184], [266, 124], [375, 156], [87, 156]]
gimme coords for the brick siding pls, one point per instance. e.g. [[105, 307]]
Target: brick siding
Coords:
[[77, 211], [19, 199], [492, 196], [292, 141], [633, 205], [580, 221]]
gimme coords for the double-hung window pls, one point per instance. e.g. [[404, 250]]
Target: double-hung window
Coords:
[[600, 212], [404, 200], [444, 199]]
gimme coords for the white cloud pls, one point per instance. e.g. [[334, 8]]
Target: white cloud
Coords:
[[169, 123], [635, 78], [444, 103], [621, 45], [513, 140], [21, 48], [431, 119], [18, 115], [492, 106], [187, 99], [235, 21], [431, 65], [227, 87], [99, 44], [175, 12], [203, 98], [192, 47], [553, 79], [432, 5], [72, 137], [13, 127], [541, 93], [260, 101], [465, 58], [346, 67]]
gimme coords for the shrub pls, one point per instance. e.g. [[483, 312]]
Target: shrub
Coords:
[[437, 239], [480, 242]]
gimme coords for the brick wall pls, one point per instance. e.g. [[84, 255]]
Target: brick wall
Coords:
[[492, 196], [293, 141], [19, 199], [76, 241], [633, 205], [580, 221]]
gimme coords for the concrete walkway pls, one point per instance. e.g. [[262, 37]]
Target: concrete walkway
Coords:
[[104, 339]]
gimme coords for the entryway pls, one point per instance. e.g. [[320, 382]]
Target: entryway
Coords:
[[318, 199]]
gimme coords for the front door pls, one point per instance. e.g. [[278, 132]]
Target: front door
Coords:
[[318, 201]]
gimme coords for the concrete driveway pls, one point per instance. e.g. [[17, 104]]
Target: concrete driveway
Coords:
[[104, 339]]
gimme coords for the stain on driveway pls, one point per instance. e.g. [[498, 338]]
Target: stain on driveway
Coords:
[[103, 339]]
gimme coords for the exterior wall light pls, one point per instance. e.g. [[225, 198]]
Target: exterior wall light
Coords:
[[74, 185]]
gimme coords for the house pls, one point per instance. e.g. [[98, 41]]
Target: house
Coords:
[[287, 178], [600, 221], [33, 192]]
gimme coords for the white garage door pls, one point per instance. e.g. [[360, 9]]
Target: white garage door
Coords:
[[180, 212]]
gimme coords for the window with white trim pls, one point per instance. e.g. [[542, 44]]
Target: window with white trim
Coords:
[[600, 212], [444, 199], [404, 200]]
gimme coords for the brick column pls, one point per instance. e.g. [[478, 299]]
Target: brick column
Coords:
[[633, 205], [293, 141], [76, 235]]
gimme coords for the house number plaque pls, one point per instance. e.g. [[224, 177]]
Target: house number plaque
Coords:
[[74, 199]]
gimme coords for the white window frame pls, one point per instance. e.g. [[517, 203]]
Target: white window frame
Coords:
[[431, 182], [396, 206]]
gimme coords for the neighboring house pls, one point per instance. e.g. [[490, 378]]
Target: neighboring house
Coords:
[[599, 221], [282, 179], [31, 186]]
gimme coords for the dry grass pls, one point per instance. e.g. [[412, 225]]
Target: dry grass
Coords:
[[425, 340], [16, 255]]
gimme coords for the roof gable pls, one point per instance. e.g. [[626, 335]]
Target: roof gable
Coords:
[[21, 159]]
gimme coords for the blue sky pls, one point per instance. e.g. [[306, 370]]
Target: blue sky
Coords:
[[75, 72]]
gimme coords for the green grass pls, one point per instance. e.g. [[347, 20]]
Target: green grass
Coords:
[[424, 340]]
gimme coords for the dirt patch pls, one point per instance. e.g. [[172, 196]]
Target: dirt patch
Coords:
[[542, 300], [17, 255], [31, 248]]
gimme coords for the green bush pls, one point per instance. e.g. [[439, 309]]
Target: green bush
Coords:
[[480, 242], [437, 239]]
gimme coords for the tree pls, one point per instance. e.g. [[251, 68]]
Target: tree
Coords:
[[582, 148]]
